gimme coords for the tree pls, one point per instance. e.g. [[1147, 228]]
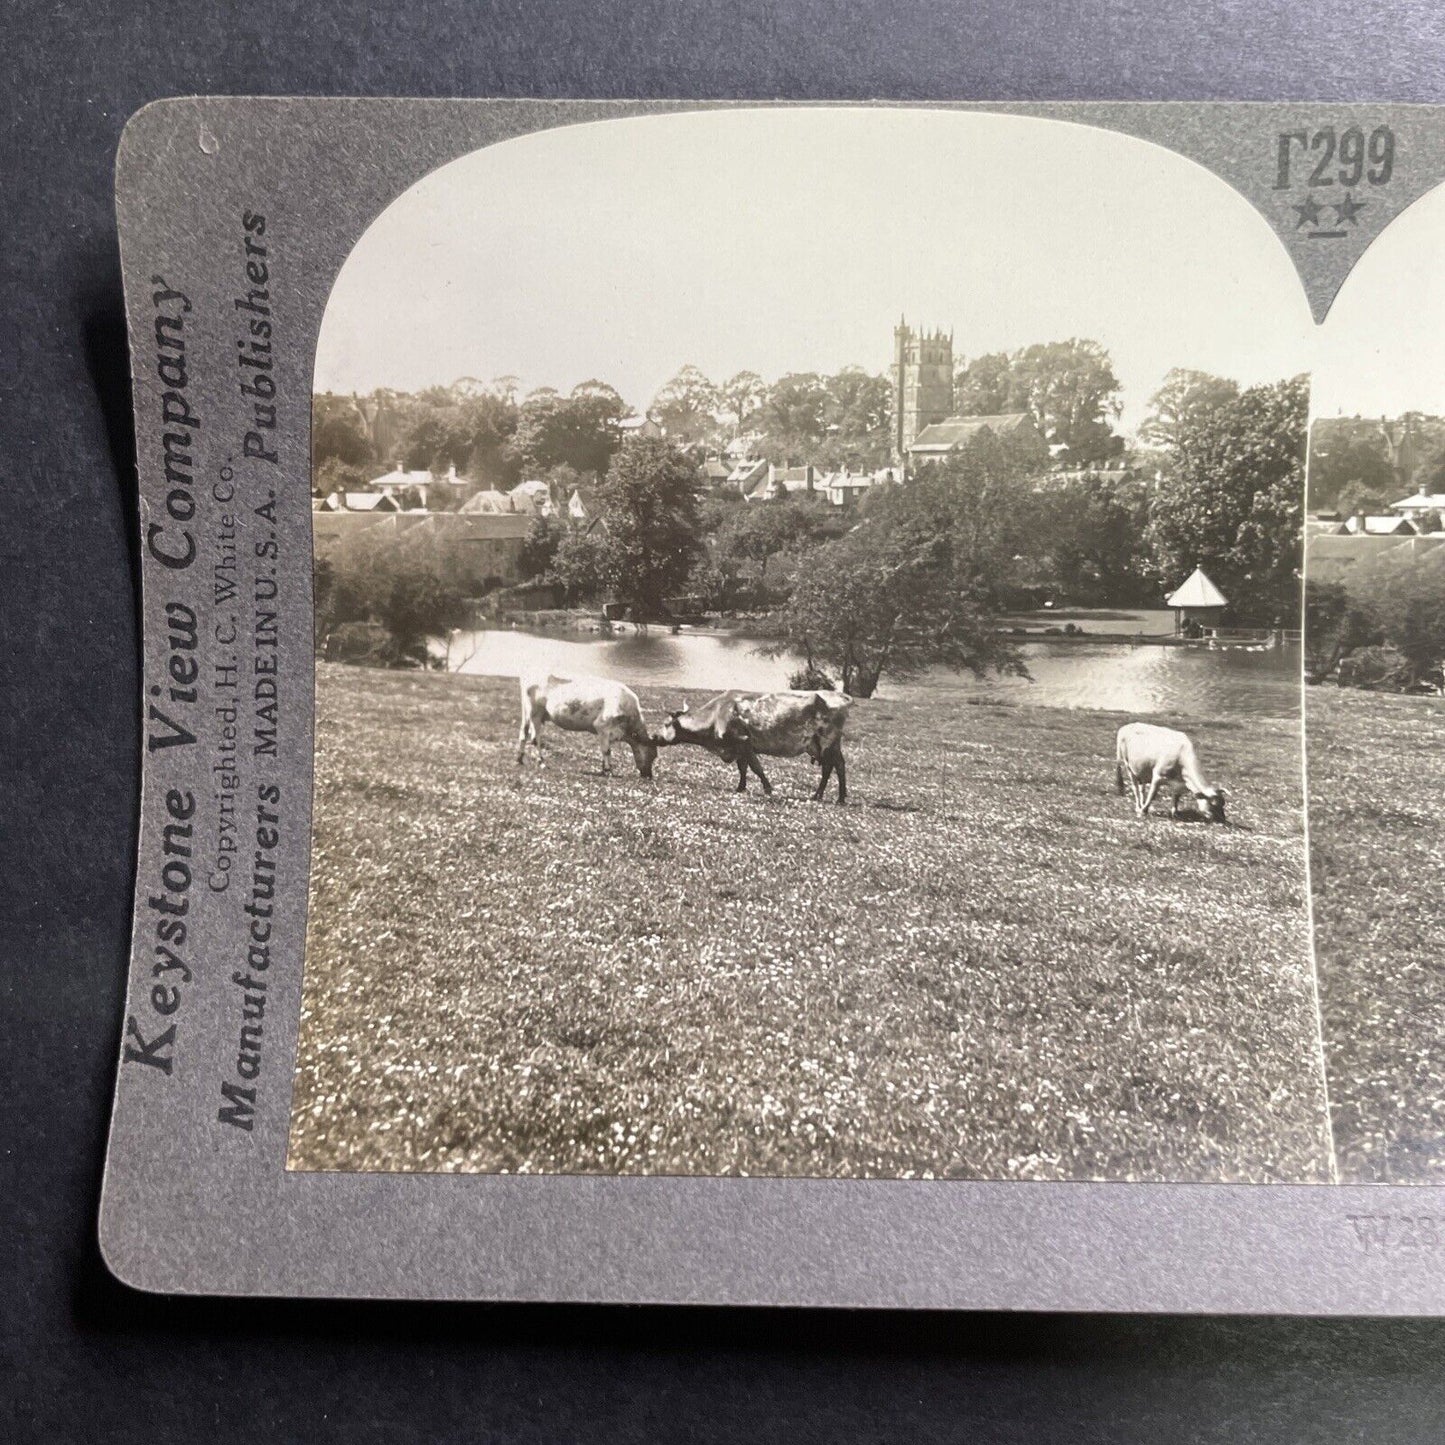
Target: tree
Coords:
[[1067, 387], [339, 434], [1070, 389], [1429, 476], [856, 419], [334, 475], [1403, 594], [793, 415], [418, 606], [1335, 624], [917, 582], [874, 603], [1232, 504], [740, 396], [756, 532], [976, 502], [1349, 471], [1357, 498], [1183, 400], [540, 547], [1089, 533], [648, 508], [983, 386], [686, 406], [579, 431], [581, 562]]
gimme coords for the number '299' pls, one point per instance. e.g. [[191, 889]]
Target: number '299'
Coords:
[[1333, 157]]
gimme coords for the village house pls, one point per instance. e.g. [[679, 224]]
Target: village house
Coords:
[[583, 506], [488, 500], [532, 498], [746, 474], [781, 480], [1420, 505], [1389, 524], [846, 489], [742, 447], [372, 502]]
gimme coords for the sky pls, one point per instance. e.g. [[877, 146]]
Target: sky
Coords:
[[1381, 350], [793, 240]]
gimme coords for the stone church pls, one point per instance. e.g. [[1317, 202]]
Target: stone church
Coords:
[[925, 426]]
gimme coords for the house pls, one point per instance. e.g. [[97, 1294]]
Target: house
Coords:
[[846, 489], [715, 472], [371, 502], [583, 506], [488, 500], [1113, 473], [941, 438], [640, 426], [780, 480], [746, 474], [1387, 525], [1417, 506], [1198, 603], [398, 480], [533, 498]]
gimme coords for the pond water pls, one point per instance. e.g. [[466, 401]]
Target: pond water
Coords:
[[1143, 678]]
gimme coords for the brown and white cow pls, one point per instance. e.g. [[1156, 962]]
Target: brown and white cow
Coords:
[[737, 727], [586, 705]]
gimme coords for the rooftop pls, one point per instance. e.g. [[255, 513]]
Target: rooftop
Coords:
[[944, 436], [1197, 591]]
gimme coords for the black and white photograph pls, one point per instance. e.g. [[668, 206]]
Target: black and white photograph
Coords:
[[807, 625], [1375, 646]]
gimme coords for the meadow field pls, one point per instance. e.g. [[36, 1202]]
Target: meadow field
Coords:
[[1377, 852], [982, 967]]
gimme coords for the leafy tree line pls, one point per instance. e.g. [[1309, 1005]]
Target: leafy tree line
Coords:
[[919, 572], [495, 436], [489, 436]]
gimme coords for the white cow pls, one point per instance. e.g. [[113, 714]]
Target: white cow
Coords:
[[1150, 756], [586, 705]]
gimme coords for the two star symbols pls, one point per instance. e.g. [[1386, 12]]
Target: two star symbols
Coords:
[[1310, 212]]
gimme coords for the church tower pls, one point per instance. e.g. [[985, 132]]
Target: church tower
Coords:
[[922, 383]]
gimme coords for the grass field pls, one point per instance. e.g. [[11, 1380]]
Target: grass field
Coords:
[[1377, 840], [983, 967]]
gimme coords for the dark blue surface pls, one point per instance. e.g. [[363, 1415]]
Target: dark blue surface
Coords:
[[83, 1358]]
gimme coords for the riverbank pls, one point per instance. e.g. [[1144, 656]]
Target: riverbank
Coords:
[[1377, 849], [983, 967], [1130, 627]]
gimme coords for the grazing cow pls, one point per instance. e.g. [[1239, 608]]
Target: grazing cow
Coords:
[[778, 724], [586, 705], [1150, 756]]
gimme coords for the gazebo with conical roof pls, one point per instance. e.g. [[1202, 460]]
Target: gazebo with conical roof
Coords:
[[1197, 600]]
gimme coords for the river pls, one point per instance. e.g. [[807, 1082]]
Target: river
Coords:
[[1114, 676]]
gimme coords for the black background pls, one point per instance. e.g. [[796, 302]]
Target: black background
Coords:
[[82, 1358]]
